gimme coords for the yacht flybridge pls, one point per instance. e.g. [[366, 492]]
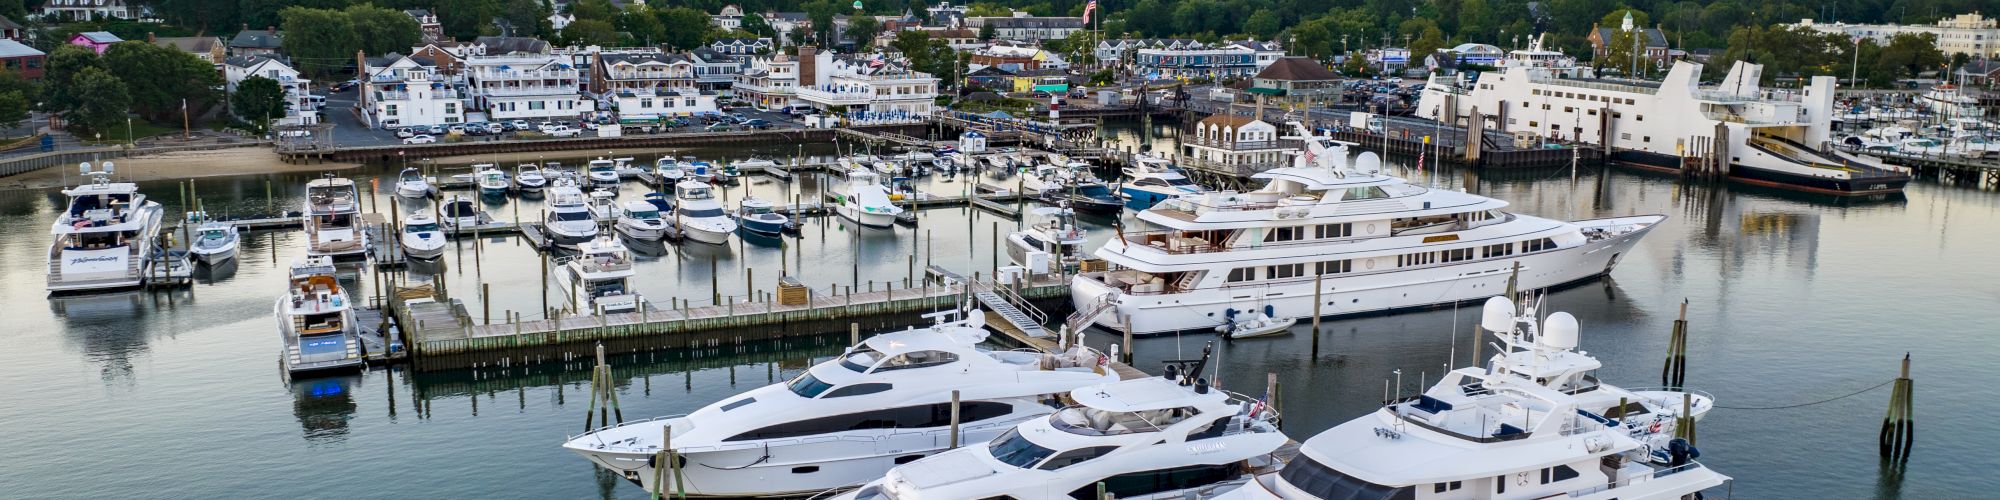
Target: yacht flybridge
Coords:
[[1771, 138], [1498, 432], [333, 225], [103, 238], [1380, 242], [848, 420]]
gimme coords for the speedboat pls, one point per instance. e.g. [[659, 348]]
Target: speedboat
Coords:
[[641, 220], [459, 213], [1241, 325], [755, 215], [1041, 179], [700, 216], [625, 168], [603, 204], [1166, 437], [1058, 239], [699, 171], [602, 172], [865, 201], [492, 181], [316, 321], [214, 241], [566, 216], [597, 279], [893, 391], [728, 175], [528, 177], [1152, 180], [1089, 195], [668, 170], [333, 213], [1494, 432], [422, 238], [411, 183]]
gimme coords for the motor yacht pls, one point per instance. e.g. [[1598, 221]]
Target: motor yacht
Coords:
[[333, 219], [641, 220], [214, 241], [754, 214], [492, 181], [566, 216], [1057, 238], [864, 200], [597, 279], [1154, 179], [460, 213], [528, 177], [668, 170], [601, 172], [422, 237], [699, 216], [316, 321], [411, 183]]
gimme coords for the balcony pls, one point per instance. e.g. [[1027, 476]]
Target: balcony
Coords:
[[830, 98], [528, 91], [1245, 145], [405, 96]]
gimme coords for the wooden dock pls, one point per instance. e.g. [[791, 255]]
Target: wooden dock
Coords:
[[1945, 168]]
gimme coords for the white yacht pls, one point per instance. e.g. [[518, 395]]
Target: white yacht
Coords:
[[422, 238], [333, 213], [756, 215], [316, 320], [566, 216], [1492, 433], [603, 205], [598, 278], [459, 213], [641, 220], [848, 420], [1777, 138], [1152, 179], [528, 177], [753, 164], [214, 241], [1381, 243], [668, 170], [602, 172], [492, 181], [1057, 237], [411, 183], [865, 200], [1149, 438], [1039, 178], [698, 171], [699, 215]]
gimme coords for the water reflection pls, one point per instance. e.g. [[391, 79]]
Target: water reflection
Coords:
[[323, 406]]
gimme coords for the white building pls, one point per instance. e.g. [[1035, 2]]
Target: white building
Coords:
[[730, 18], [1971, 34], [1231, 60], [1027, 28], [1235, 144], [399, 91], [769, 83], [637, 105], [715, 72], [868, 90], [298, 109], [525, 87], [84, 10]]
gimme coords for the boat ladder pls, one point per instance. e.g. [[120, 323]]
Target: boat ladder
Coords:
[[1006, 308]]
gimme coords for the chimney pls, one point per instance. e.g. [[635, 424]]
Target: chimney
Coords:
[[271, 30], [808, 70]]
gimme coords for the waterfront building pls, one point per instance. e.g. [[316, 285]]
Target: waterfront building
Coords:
[[870, 89], [299, 108], [715, 72], [769, 83], [1238, 145], [525, 87], [619, 69], [741, 46], [1016, 58], [1227, 60], [650, 104], [1971, 34], [1027, 28], [403, 91], [1297, 79]]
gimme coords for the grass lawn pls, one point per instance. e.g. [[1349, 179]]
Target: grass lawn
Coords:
[[140, 130]]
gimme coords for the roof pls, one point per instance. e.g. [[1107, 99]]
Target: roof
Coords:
[[257, 39], [9, 24], [1143, 394], [1654, 38], [100, 37], [1028, 22], [196, 44], [12, 49], [252, 61], [1296, 68], [513, 44], [1041, 72], [1228, 120]]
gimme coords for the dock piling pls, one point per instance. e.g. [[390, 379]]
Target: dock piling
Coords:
[[1317, 290], [1899, 426], [954, 419], [1673, 375]]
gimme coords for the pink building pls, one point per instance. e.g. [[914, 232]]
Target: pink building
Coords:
[[96, 40]]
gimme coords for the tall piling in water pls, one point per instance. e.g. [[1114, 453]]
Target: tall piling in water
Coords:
[[1673, 375], [1899, 427]]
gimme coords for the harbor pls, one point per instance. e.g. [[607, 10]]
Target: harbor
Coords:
[[482, 352]]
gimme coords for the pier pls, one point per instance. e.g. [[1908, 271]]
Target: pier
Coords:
[[1944, 168]]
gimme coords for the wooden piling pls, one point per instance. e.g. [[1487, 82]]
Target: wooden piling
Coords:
[[1673, 375], [1317, 290], [1126, 321], [1684, 424], [853, 334], [1899, 430]]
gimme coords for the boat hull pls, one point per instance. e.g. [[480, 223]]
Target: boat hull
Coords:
[[761, 227], [870, 219], [772, 471], [213, 256], [1355, 293], [1138, 198], [1882, 183], [705, 235], [409, 190], [639, 232]]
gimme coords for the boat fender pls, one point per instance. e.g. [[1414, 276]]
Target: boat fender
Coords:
[[1270, 311]]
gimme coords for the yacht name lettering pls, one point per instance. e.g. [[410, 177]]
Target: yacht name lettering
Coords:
[[87, 260]]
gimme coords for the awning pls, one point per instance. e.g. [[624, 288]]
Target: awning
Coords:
[[1265, 91]]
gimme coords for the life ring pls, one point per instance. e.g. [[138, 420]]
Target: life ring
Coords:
[[1521, 478]]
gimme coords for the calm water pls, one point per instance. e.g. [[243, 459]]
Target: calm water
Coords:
[[1791, 301]]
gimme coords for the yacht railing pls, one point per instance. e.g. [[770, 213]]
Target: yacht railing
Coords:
[[1660, 473]]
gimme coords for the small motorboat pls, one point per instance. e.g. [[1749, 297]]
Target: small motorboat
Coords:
[[699, 171], [492, 180], [728, 175], [753, 214], [668, 170], [1259, 324], [602, 172], [641, 220], [603, 204], [422, 237], [625, 168], [528, 177], [214, 241], [459, 213], [412, 184], [758, 164]]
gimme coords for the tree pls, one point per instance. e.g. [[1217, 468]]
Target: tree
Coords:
[[591, 32], [381, 30], [158, 79], [644, 27], [106, 105], [14, 9], [600, 10], [1910, 54], [258, 100], [13, 108], [1264, 24], [862, 30], [686, 28], [320, 40], [986, 32], [756, 25], [528, 17], [59, 75]]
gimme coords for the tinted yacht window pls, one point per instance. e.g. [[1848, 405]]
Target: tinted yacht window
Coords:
[[807, 386], [1321, 481], [1012, 449]]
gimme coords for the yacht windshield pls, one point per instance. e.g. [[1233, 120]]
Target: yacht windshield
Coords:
[[420, 228], [1017, 451], [572, 216], [701, 213], [643, 214], [1320, 481], [1180, 181], [861, 359], [807, 386]]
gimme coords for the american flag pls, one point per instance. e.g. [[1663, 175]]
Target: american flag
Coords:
[[1087, 9]]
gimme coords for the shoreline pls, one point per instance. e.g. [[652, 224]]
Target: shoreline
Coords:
[[178, 165]]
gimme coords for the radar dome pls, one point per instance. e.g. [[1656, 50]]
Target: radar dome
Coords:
[[1368, 162], [1497, 316], [1559, 331]]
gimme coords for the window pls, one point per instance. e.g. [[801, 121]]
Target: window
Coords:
[[1277, 234], [1625, 136], [646, 103], [450, 108], [1641, 117], [1558, 474], [808, 386], [917, 359], [1567, 109], [389, 110], [1341, 230], [1500, 250], [1538, 245], [1320, 481], [1593, 112], [1444, 487], [1241, 274], [1333, 266], [1012, 449], [536, 105], [1456, 254], [857, 390], [1532, 123], [1416, 259], [1284, 271], [738, 403], [1076, 456], [1646, 139], [907, 417]]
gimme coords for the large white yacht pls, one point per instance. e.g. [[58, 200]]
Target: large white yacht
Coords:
[[1149, 438], [1381, 243], [699, 216], [103, 237], [1773, 138], [848, 420], [333, 219], [567, 216], [864, 200], [316, 321], [1491, 432], [599, 278]]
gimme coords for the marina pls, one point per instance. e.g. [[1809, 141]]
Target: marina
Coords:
[[475, 353]]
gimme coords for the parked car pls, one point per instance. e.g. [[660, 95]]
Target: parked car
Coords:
[[563, 131], [421, 139], [435, 130], [717, 127], [455, 129], [757, 123], [405, 133], [544, 126], [495, 128], [519, 125]]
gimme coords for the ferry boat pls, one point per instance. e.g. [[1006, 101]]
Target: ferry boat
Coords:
[[668, 170], [333, 226], [316, 321], [865, 201], [1493, 432], [892, 392], [528, 177], [566, 216], [411, 183], [641, 220], [1770, 138], [598, 278], [754, 214], [215, 241], [422, 238], [492, 181], [1057, 237], [1380, 242], [601, 172], [1167, 437], [700, 217], [1152, 179]]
